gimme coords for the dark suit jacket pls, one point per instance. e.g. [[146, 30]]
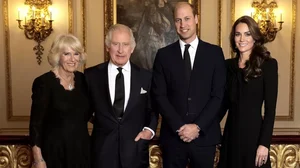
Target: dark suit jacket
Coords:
[[201, 98], [112, 138]]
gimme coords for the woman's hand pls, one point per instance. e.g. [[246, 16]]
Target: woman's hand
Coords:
[[38, 161], [40, 164], [261, 155]]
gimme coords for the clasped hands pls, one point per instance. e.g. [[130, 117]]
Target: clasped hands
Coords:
[[188, 132]]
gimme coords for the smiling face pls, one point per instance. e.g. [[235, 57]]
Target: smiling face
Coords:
[[243, 39], [185, 22], [69, 60], [120, 47]]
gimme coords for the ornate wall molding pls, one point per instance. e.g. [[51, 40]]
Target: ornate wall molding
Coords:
[[83, 16], [155, 158], [7, 62], [13, 131], [19, 156], [15, 156], [284, 152], [220, 23], [71, 15]]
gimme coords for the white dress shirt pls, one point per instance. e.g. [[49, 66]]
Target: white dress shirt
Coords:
[[192, 50], [112, 73]]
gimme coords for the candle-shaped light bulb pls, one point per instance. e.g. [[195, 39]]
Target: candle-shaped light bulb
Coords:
[[50, 12], [33, 12], [267, 13], [43, 19], [25, 13], [259, 18], [19, 15], [252, 12], [280, 15]]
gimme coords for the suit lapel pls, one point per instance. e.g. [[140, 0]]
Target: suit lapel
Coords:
[[135, 89], [199, 60], [180, 66], [106, 96], [178, 56]]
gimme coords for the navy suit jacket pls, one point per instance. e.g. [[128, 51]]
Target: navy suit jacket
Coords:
[[112, 138], [197, 101]]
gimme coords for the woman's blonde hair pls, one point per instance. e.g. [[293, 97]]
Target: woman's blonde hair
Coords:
[[60, 44]]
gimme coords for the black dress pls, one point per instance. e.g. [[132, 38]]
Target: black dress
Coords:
[[246, 128], [58, 122]]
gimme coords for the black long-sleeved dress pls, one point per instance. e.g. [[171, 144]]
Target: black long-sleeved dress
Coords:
[[58, 122], [246, 128]]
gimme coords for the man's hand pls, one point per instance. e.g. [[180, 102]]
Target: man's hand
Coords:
[[146, 134], [188, 132]]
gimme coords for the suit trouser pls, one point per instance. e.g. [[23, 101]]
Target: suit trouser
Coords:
[[188, 154]]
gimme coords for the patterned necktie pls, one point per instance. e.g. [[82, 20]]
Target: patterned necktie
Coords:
[[118, 105]]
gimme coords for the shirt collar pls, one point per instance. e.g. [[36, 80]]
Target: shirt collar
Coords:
[[194, 43], [125, 67]]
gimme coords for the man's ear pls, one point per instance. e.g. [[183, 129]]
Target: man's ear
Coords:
[[132, 50], [196, 19]]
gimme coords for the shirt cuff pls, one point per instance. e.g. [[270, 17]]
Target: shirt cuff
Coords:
[[147, 128], [198, 127]]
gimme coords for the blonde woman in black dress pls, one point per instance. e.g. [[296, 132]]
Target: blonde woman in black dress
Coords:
[[59, 111], [252, 79]]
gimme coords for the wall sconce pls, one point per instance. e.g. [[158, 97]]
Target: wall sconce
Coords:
[[37, 23], [263, 14]]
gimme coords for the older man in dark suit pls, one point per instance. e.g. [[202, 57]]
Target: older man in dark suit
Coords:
[[188, 86], [124, 121]]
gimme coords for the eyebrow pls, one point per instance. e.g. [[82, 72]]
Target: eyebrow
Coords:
[[244, 32]]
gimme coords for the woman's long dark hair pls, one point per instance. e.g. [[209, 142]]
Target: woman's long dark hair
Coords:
[[259, 52]]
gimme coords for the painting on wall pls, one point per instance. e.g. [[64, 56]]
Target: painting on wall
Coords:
[[151, 22]]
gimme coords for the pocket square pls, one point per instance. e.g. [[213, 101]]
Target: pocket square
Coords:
[[143, 91]]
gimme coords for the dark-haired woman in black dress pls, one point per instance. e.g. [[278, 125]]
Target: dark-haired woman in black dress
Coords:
[[252, 79]]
